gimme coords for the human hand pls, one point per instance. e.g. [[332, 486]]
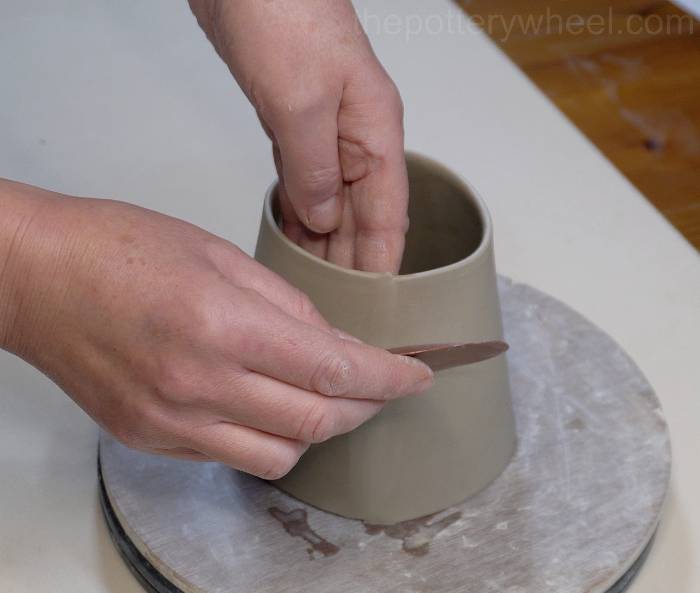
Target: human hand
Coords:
[[335, 119], [177, 342]]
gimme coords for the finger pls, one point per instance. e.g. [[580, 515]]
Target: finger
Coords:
[[288, 411], [380, 203], [314, 243], [341, 242], [308, 142], [291, 226], [274, 344], [264, 455], [375, 169]]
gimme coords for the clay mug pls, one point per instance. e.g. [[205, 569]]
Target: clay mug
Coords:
[[424, 453]]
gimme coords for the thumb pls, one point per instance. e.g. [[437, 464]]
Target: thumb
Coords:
[[308, 145]]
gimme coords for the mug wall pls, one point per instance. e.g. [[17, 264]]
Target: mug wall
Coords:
[[427, 452]]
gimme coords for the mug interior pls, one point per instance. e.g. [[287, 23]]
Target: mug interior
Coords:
[[447, 222]]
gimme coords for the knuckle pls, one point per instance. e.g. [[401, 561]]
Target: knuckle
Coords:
[[335, 375], [173, 383], [386, 97], [205, 315], [320, 181], [318, 424]]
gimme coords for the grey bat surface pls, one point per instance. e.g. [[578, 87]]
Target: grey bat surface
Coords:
[[570, 514]]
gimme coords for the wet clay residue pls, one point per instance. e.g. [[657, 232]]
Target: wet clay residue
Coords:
[[416, 534], [296, 524]]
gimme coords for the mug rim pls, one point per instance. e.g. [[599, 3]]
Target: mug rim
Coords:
[[470, 193]]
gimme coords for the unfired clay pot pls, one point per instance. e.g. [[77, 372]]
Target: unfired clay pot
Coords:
[[427, 452]]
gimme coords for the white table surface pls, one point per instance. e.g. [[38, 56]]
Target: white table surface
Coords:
[[127, 100]]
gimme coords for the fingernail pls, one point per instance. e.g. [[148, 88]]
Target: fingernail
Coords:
[[324, 217], [426, 381], [423, 385], [414, 362]]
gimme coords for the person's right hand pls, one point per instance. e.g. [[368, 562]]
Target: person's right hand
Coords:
[[335, 120], [177, 342]]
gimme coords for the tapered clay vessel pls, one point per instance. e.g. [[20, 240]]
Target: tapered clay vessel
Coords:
[[424, 453]]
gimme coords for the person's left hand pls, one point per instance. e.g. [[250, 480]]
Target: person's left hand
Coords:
[[335, 119]]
